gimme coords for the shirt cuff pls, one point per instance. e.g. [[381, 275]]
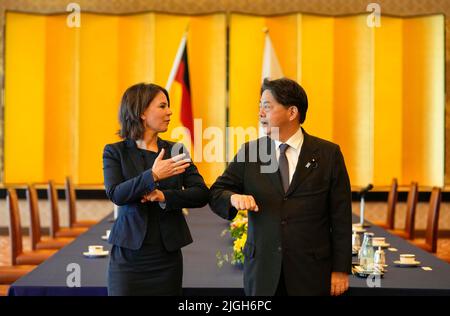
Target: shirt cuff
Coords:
[[162, 205]]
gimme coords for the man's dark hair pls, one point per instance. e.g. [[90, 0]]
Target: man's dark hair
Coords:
[[134, 102], [288, 93]]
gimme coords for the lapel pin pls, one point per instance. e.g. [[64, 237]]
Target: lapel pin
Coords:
[[312, 163]]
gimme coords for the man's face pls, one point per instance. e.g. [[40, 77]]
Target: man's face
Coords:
[[272, 115]]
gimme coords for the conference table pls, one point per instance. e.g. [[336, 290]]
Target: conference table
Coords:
[[203, 276]]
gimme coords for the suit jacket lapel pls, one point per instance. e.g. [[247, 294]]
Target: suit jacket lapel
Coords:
[[135, 156], [306, 156], [163, 144]]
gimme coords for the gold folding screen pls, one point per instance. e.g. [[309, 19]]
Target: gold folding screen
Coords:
[[378, 92], [24, 141], [63, 86]]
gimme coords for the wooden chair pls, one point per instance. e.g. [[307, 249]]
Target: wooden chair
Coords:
[[37, 241], [443, 255], [4, 290], [431, 233], [411, 205], [391, 204], [72, 206], [57, 231], [10, 274], [18, 256]]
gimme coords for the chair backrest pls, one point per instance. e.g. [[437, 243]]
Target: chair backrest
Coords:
[[35, 221], [431, 234], [391, 204], [71, 199], [54, 209], [411, 205], [15, 232]]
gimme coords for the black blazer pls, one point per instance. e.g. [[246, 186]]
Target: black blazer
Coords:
[[126, 182], [307, 230]]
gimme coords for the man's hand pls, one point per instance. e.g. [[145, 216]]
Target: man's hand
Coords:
[[154, 196], [339, 283], [244, 202]]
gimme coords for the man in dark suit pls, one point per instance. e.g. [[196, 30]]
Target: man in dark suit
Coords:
[[299, 213]]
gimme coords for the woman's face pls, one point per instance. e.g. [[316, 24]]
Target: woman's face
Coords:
[[156, 116]]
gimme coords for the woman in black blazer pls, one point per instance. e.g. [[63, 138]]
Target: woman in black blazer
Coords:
[[151, 180]]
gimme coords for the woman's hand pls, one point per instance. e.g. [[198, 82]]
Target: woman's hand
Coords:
[[166, 168], [154, 196]]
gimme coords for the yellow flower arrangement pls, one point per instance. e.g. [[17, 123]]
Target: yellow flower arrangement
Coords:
[[238, 232], [240, 243]]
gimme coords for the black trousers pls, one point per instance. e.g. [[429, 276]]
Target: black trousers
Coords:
[[281, 288]]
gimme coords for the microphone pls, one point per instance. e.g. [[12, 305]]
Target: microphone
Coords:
[[366, 189], [362, 193]]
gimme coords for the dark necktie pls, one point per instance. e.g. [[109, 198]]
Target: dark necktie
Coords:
[[284, 166]]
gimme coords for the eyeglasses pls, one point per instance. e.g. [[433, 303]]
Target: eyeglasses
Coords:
[[265, 107]]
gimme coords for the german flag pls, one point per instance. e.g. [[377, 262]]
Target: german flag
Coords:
[[180, 75]]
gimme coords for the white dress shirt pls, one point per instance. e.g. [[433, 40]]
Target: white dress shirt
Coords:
[[295, 143]]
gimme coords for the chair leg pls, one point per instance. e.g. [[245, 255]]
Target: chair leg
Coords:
[[4, 290]]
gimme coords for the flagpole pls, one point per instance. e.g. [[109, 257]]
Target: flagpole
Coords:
[[271, 66], [177, 60]]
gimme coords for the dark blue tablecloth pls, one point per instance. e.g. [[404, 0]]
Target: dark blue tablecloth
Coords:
[[401, 280], [202, 276]]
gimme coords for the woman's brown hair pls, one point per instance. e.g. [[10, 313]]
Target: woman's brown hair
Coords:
[[134, 102]]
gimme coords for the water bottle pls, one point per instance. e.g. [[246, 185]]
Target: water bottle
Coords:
[[380, 259], [356, 241], [366, 253]]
